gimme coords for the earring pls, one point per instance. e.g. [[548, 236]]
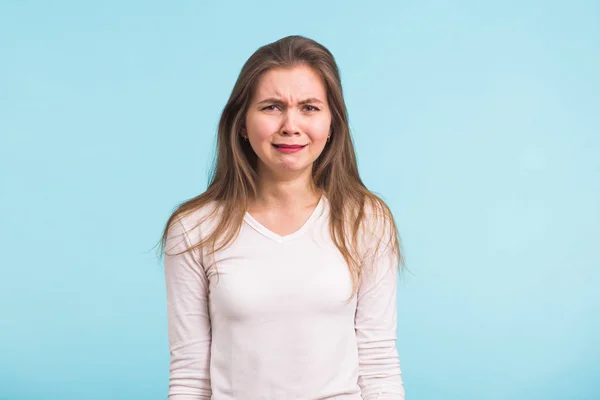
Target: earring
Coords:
[[328, 138], [246, 138]]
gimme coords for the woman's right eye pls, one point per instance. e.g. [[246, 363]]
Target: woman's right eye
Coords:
[[269, 107]]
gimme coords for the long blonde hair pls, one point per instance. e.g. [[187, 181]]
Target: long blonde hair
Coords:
[[233, 181]]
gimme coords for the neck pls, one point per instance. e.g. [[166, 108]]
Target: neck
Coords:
[[289, 192]]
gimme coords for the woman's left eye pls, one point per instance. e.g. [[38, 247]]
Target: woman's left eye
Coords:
[[313, 108]]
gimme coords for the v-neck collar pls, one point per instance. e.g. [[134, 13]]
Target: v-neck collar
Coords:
[[260, 228]]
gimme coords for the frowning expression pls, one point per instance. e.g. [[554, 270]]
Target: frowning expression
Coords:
[[288, 120]]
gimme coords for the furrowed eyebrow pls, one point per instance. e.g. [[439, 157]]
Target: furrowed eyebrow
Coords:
[[279, 101]]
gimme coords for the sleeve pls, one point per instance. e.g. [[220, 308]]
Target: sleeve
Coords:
[[189, 328], [380, 376]]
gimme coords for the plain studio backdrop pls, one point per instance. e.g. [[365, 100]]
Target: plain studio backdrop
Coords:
[[478, 123]]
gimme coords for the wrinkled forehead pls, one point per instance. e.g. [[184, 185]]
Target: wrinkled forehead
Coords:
[[290, 84]]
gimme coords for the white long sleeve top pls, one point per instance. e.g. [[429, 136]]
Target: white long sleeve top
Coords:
[[274, 323]]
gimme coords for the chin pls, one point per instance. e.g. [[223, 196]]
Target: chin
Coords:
[[291, 166]]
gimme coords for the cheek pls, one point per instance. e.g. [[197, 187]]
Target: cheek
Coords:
[[319, 130], [261, 127]]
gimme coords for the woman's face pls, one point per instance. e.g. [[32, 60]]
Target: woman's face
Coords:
[[289, 108]]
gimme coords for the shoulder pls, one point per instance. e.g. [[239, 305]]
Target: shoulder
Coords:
[[378, 219], [187, 229], [196, 222], [378, 229]]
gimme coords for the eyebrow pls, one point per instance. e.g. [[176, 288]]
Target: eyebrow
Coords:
[[276, 100]]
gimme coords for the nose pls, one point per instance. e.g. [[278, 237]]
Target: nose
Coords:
[[290, 123]]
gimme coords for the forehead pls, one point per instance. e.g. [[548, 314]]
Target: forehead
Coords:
[[297, 82]]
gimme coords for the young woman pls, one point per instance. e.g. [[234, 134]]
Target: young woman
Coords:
[[281, 277]]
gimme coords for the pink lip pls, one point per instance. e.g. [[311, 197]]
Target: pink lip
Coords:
[[289, 148]]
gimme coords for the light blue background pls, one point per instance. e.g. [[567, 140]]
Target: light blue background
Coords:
[[478, 122]]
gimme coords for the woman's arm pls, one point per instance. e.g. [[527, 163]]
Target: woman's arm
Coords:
[[188, 317], [380, 377]]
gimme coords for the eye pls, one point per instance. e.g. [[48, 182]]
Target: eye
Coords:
[[269, 107], [313, 108]]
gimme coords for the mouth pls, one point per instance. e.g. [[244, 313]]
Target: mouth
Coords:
[[289, 146]]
